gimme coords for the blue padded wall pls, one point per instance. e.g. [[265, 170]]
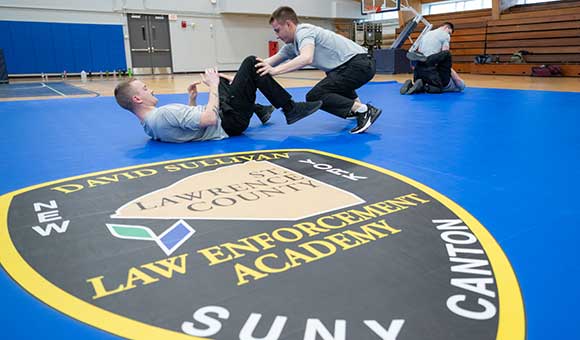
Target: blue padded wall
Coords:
[[40, 47]]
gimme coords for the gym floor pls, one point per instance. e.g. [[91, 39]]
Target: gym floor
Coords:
[[507, 150], [167, 84]]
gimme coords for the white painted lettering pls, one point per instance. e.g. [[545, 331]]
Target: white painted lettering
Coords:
[[468, 266], [488, 312], [386, 334], [51, 205], [464, 237], [273, 334], [455, 224], [476, 285], [52, 226], [315, 327], [213, 325], [452, 251], [48, 216]]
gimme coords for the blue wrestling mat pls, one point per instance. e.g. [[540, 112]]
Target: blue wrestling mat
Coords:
[[504, 162], [45, 89]]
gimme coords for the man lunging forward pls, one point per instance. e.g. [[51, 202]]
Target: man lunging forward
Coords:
[[348, 66]]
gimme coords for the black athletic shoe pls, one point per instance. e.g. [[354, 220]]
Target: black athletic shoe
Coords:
[[416, 56], [417, 87], [264, 112], [366, 119], [406, 86], [301, 110]]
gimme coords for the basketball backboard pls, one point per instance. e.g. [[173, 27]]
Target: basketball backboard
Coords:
[[379, 6]]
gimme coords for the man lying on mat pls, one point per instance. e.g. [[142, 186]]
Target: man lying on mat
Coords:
[[227, 113]]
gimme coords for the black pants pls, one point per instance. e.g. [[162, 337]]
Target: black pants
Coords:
[[436, 71], [337, 90], [237, 99]]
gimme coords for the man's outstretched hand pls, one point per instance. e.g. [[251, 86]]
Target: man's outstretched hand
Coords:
[[264, 68], [192, 89], [211, 77]]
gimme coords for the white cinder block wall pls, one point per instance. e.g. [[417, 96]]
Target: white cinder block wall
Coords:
[[219, 32]]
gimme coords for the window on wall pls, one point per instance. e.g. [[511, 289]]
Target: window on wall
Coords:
[[528, 2], [381, 16], [456, 6]]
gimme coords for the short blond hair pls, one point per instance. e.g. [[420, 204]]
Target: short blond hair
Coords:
[[123, 94], [283, 14]]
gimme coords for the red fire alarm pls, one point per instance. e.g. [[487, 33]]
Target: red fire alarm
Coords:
[[272, 47], [184, 24]]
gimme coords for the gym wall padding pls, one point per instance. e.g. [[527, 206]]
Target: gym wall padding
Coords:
[[3, 72], [42, 47]]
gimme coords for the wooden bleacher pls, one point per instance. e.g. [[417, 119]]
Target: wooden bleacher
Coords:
[[549, 31]]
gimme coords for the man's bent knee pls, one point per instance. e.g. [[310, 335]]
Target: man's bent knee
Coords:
[[248, 65], [250, 59]]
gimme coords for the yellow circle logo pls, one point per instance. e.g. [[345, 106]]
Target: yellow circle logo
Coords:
[[274, 244]]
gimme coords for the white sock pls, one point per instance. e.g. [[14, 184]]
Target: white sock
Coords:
[[362, 108]]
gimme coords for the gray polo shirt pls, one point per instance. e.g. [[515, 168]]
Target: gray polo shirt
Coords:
[[178, 123], [330, 49], [434, 41]]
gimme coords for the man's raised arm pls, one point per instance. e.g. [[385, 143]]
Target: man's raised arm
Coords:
[[209, 117]]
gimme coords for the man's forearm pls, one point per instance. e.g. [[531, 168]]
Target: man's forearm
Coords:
[[210, 115], [213, 103], [192, 102], [274, 60], [293, 65]]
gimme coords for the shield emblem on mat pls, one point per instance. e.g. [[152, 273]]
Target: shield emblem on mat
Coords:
[[277, 244]]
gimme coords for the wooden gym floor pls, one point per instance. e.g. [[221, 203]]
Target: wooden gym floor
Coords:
[[168, 84]]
